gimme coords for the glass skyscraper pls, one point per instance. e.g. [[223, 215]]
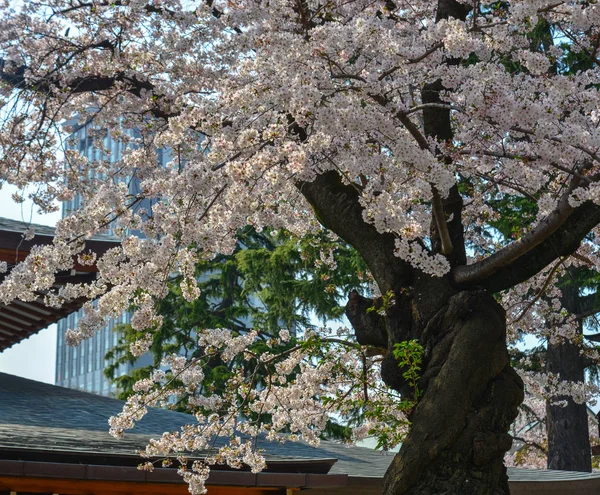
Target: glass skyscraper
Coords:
[[82, 367]]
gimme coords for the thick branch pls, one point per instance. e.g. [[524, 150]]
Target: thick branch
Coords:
[[369, 325], [337, 207], [149, 8], [112, 3], [436, 123], [15, 77], [440, 222], [559, 234], [447, 236]]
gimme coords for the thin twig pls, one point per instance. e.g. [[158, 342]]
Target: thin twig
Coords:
[[541, 291]]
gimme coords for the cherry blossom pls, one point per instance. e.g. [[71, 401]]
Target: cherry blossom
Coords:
[[397, 126]]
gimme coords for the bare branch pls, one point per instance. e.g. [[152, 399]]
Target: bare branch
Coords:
[[415, 60], [555, 139], [443, 106], [540, 293]]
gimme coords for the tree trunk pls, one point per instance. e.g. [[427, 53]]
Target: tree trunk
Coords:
[[568, 432], [569, 446], [459, 431]]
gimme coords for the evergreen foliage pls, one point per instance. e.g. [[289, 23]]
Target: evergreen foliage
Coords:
[[272, 281]]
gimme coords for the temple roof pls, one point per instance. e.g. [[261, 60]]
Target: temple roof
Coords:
[[20, 320], [48, 431]]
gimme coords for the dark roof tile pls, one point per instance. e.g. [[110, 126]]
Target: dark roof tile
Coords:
[[37, 417]]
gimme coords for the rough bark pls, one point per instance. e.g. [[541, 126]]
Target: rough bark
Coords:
[[569, 446], [459, 430], [369, 326]]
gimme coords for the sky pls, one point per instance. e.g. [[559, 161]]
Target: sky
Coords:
[[34, 357]]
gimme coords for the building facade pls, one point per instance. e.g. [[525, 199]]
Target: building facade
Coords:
[[82, 367]]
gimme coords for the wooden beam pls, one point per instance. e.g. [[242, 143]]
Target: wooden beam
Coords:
[[89, 487], [13, 328], [33, 307], [12, 255], [18, 316]]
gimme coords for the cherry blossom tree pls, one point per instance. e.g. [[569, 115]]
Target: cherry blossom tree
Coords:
[[393, 125], [553, 306]]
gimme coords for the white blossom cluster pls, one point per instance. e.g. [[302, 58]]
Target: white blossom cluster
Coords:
[[530, 430], [252, 104], [298, 396], [535, 309]]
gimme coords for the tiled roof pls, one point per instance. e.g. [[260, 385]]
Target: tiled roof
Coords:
[[37, 417], [30, 403], [19, 227]]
